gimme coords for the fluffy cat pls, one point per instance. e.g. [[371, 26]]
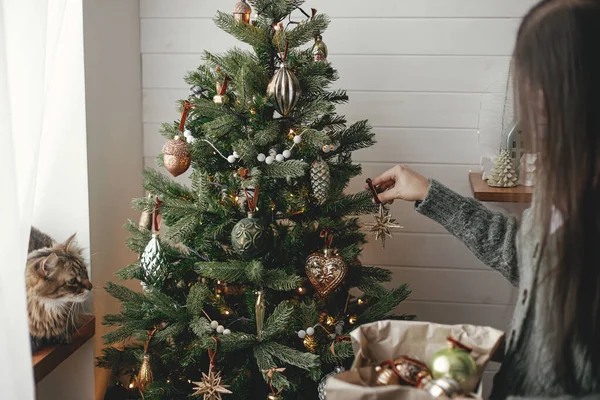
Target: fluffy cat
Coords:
[[57, 284]]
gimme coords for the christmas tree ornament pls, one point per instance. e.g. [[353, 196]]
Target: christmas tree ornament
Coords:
[[221, 96], [145, 377], [260, 308], [383, 223], [261, 157], [146, 218], [251, 236], [326, 270], [310, 343], [177, 157], [402, 371], [320, 180], [274, 395], [322, 388], [442, 388], [319, 49], [153, 263], [504, 174], [454, 363], [197, 91], [242, 12], [211, 386], [284, 87]]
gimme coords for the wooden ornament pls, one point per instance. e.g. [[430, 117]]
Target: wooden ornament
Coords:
[[177, 157]]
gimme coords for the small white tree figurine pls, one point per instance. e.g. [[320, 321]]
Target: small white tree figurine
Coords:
[[503, 174]]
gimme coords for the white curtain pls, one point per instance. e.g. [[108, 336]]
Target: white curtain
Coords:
[[29, 32]]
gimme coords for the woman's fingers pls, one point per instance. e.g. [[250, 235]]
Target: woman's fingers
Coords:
[[389, 175]]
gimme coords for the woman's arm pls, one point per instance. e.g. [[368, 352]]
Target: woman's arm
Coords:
[[490, 236]]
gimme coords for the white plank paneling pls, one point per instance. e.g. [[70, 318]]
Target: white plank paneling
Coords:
[[384, 109], [374, 73], [494, 315], [354, 9], [464, 286], [424, 36], [421, 250]]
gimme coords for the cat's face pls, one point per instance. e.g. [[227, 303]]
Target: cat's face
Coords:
[[59, 273]]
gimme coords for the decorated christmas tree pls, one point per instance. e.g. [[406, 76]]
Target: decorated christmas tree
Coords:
[[503, 174], [251, 289]]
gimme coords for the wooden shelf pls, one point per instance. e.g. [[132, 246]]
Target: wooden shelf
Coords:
[[482, 192], [48, 358]]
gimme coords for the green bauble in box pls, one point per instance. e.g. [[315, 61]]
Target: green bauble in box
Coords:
[[455, 363], [251, 237]]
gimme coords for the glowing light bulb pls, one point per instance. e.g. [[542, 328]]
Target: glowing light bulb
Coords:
[[227, 312], [131, 385], [360, 301]]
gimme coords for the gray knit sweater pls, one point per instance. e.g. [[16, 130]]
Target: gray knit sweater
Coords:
[[500, 243]]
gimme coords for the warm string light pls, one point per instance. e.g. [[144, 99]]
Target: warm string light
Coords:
[[360, 301], [301, 290]]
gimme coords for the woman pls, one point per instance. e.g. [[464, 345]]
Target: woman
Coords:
[[553, 348]]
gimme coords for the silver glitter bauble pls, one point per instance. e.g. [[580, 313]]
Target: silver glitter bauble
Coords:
[[323, 384]]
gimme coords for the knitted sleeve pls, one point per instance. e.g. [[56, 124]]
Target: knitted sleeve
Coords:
[[489, 235]]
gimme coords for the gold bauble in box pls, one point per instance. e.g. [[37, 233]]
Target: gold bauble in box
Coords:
[[177, 157], [402, 371], [454, 363], [325, 271]]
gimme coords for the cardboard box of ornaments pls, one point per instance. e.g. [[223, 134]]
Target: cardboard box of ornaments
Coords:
[[415, 361]]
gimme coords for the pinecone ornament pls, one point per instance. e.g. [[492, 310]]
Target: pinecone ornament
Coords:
[[320, 179], [504, 174]]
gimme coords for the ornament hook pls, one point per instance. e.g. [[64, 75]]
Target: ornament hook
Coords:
[[373, 191]]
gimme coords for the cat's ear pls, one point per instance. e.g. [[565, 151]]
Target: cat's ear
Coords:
[[47, 266], [67, 244]]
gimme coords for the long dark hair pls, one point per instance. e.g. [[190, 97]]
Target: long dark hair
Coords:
[[557, 67]]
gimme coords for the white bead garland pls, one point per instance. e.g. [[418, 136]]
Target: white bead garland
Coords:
[[287, 153], [231, 159], [302, 334], [261, 157], [214, 324], [220, 329], [226, 332], [339, 329], [279, 157], [236, 155], [310, 331], [269, 160], [297, 139]]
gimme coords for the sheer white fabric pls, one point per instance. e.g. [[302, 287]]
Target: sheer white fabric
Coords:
[[29, 31]]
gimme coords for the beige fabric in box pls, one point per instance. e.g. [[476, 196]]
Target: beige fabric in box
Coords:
[[387, 340]]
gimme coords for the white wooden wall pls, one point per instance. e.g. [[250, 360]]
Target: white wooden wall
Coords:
[[430, 75]]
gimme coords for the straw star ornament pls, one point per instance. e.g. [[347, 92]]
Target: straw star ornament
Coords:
[[210, 386], [383, 223]]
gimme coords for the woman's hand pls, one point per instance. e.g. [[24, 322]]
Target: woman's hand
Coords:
[[401, 183]]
